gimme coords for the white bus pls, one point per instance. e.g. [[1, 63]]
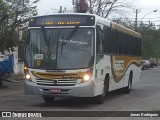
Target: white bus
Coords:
[[80, 55]]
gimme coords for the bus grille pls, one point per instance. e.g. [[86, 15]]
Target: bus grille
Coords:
[[58, 82]]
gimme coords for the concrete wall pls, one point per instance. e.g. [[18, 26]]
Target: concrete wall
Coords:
[[18, 66]]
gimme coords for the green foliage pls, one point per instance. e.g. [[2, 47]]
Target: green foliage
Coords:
[[150, 41], [14, 14], [3, 22]]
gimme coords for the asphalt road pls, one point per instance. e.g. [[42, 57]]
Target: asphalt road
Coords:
[[145, 96]]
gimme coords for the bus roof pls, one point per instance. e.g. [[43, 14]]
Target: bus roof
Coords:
[[125, 30], [65, 14]]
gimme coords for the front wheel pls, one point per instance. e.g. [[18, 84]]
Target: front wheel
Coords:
[[101, 98], [0, 83], [48, 99]]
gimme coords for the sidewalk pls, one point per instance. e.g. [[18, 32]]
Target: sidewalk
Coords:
[[15, 78], [12, 86]]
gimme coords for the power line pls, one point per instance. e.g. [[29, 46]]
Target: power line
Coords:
[[69, 1], [43, 5], [152, 18], [138, 18]]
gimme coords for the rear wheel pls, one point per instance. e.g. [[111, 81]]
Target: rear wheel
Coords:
[[128, 89], [48, 99]]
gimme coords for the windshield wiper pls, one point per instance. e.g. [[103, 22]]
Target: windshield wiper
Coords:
[[71, 33], [44, 34], [69, 37]]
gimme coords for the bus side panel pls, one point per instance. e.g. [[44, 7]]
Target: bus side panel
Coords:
[[118, 68], [122, 66]]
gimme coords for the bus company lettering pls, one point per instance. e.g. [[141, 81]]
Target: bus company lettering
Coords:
[[119, 65], [73, 42]]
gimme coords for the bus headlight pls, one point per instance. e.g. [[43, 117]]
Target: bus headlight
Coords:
[[86, 77], [27, 76]]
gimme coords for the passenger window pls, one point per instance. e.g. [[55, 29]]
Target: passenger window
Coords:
[[100, 40]]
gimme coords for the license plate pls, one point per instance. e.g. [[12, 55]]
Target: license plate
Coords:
[[53, 90]]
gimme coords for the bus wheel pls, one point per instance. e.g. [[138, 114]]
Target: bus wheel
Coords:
[[48, 99], [101, 98], [128, 89], [0, 83]]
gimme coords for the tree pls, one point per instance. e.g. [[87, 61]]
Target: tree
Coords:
[[150, 40], [4, 17], [105, 7], [17, 15]]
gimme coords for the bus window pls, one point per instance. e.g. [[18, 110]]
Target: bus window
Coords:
[[100, 40], [114, 39], [107, 39], [127, 43]]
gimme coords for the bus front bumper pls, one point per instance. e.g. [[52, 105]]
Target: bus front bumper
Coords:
[[79, 90]]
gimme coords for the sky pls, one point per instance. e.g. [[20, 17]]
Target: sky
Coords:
[[144, 7], [147, 6]]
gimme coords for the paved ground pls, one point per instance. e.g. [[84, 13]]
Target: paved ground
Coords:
[[12, 86]]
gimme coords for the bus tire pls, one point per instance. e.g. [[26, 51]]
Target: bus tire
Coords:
[[0, 83], [128, 89], [101, 98], [48, 99]]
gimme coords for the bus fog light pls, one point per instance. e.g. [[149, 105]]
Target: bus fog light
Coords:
[[86, 77], [28, 76]]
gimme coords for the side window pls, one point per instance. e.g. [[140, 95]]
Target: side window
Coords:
[[121, 43], [107, 40], [135, 44], [100, 40], [131, 45], [127, 43], [139, 46], [115, 43]]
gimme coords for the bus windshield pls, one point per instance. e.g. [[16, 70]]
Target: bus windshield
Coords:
[[57, 48]]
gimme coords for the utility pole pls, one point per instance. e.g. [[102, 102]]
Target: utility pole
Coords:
[[136, 19], [60, 10]]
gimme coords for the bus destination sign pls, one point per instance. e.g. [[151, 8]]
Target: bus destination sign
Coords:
[[62, 20]]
